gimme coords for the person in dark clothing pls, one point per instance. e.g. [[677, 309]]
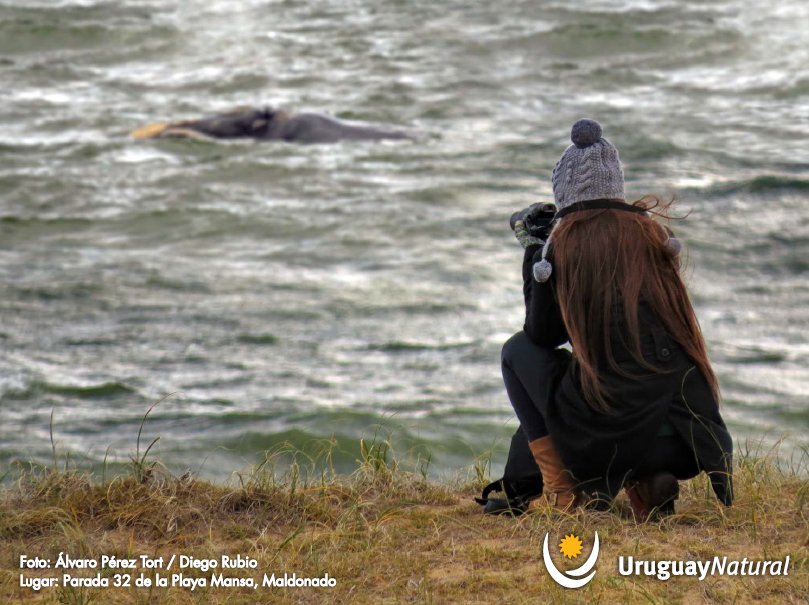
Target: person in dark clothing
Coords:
[[636, 403]]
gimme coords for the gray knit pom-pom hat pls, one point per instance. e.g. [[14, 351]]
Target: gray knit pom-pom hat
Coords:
[[588, 170]]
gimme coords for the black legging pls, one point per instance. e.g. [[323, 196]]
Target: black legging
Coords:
[[530, 372]]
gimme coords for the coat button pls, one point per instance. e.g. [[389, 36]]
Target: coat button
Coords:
[[665, 353]]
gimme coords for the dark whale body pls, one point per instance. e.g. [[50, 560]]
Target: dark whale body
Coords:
[[269, 125]]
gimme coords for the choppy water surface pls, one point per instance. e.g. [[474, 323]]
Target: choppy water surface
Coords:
[[295, 293]]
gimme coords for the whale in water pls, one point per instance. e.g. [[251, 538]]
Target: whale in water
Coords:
[[268, 124]]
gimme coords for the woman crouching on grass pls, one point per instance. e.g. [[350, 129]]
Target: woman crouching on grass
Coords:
[[637, 404]]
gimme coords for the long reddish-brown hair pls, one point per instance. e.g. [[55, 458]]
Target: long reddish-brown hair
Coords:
[[608, 259]]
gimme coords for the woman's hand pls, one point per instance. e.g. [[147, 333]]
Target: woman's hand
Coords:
[[524, 237]]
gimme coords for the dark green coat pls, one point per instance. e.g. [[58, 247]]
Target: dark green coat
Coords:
[[602, 449]]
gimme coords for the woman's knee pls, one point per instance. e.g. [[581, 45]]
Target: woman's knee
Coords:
[[521, 347], [512, 347]]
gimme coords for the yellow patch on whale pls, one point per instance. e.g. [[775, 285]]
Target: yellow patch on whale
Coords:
[[182, 133], [150, 131], [167, 130]]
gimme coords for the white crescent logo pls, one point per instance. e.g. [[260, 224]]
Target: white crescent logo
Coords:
[[563, 580]]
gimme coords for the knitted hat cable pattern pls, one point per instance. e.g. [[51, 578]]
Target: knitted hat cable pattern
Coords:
[[589, 169]]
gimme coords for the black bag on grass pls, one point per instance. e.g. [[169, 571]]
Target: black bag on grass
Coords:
[[521, 482]]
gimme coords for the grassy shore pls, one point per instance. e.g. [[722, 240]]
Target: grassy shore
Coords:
[[391, 536]]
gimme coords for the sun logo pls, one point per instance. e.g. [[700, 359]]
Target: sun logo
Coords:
[[570, 546]]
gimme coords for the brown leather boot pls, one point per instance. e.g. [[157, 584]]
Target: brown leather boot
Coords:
[[652, 496], [559, 486]]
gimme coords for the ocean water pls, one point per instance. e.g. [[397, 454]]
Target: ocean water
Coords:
[[312, 294]]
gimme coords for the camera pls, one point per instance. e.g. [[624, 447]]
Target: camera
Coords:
[[537, 218]]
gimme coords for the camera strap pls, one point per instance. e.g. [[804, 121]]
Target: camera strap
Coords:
[[598, 205]]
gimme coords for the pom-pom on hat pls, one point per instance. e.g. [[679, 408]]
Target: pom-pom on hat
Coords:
[[585, 132]]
